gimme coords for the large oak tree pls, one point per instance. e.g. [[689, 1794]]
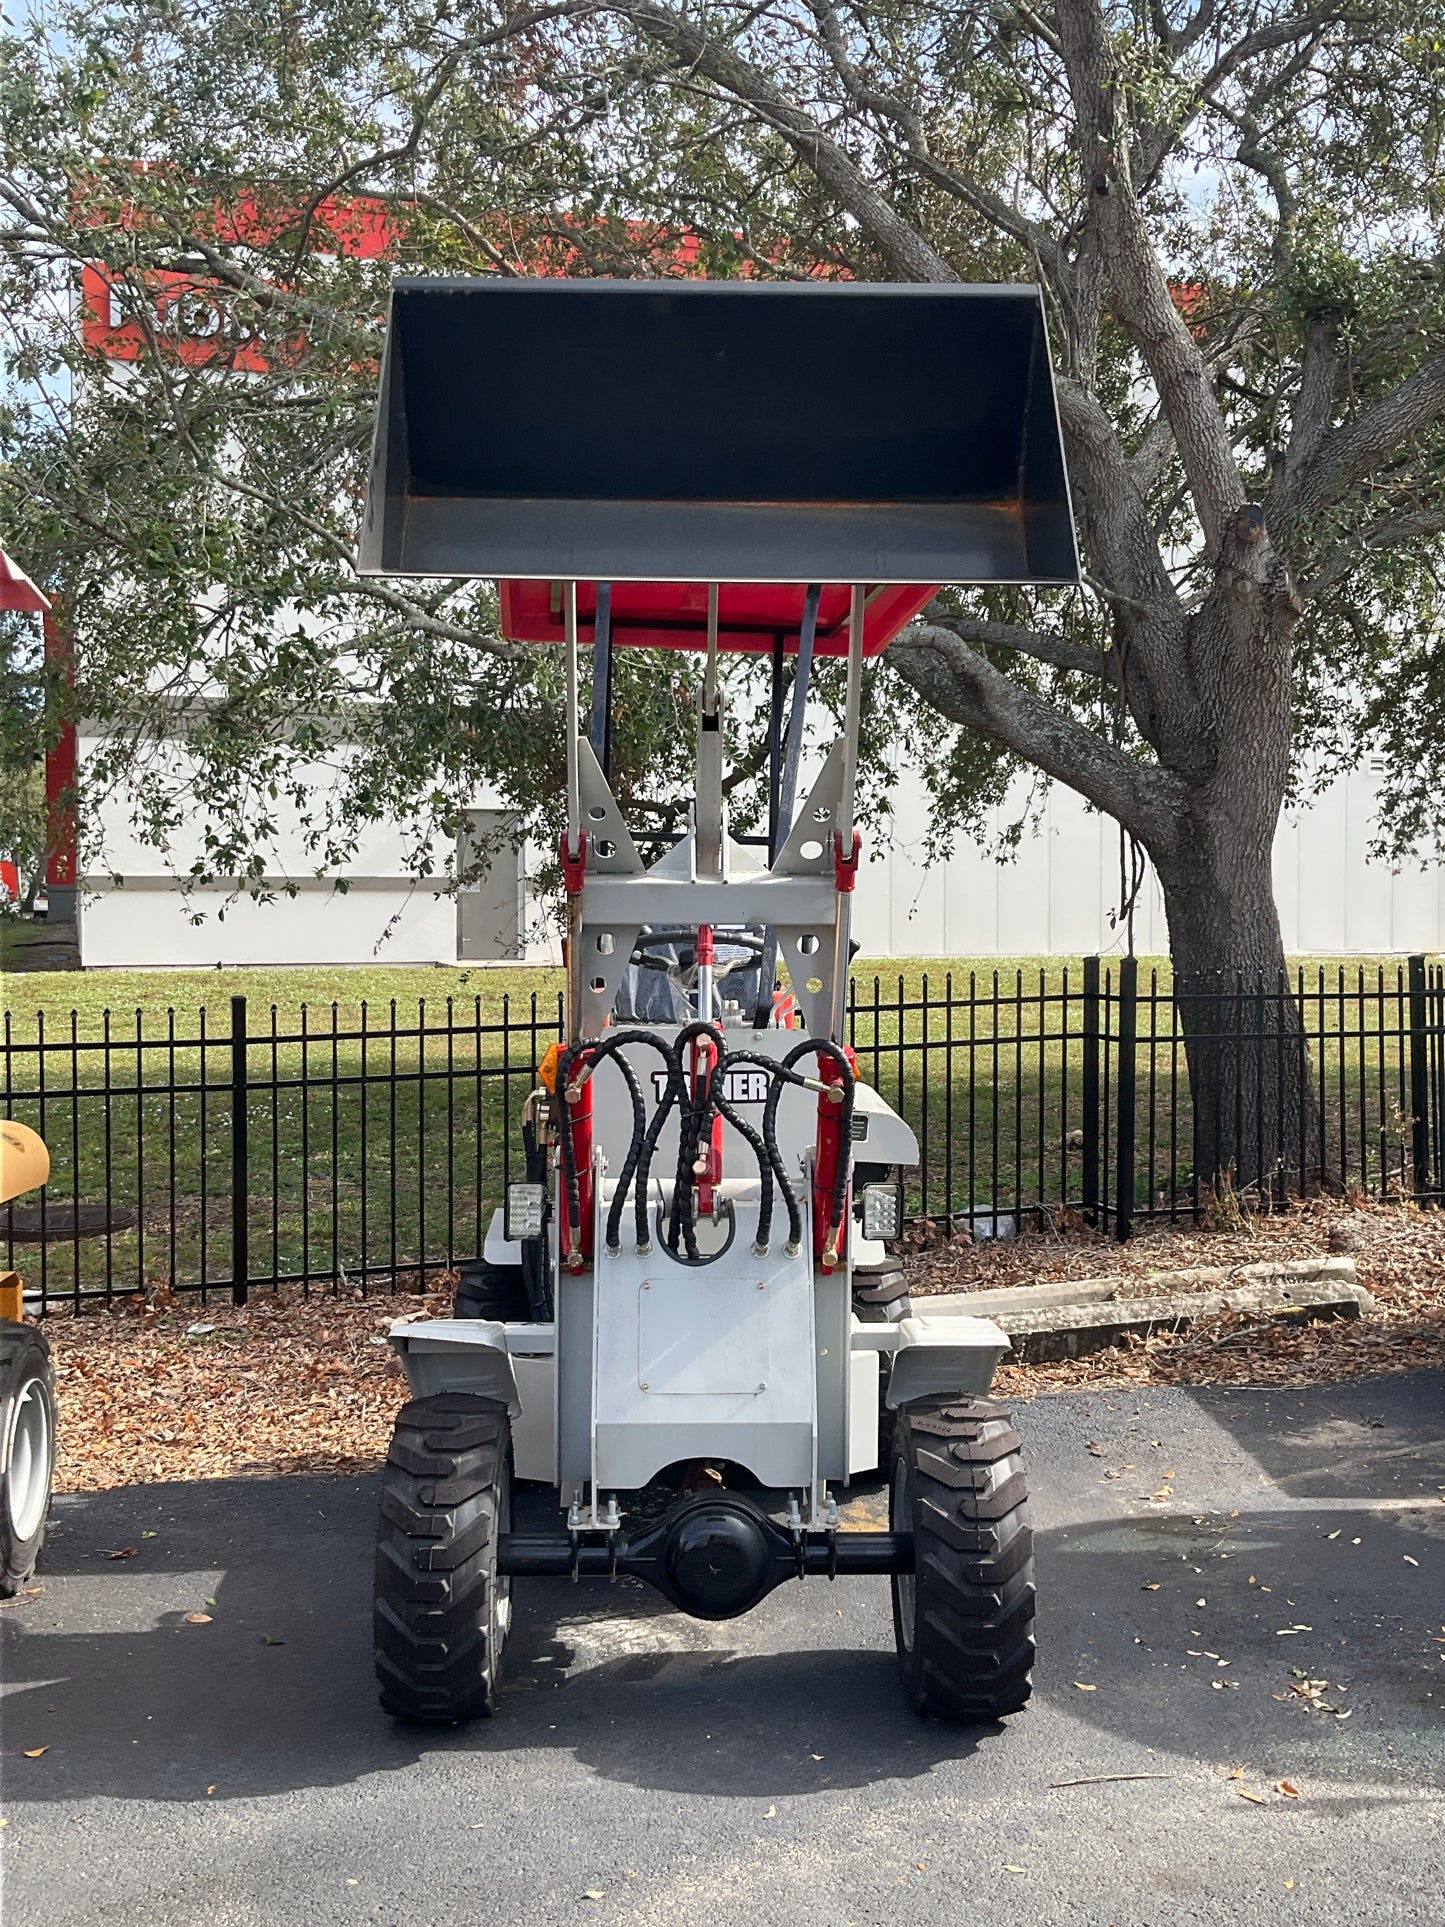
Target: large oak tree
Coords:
[[1232, 207]]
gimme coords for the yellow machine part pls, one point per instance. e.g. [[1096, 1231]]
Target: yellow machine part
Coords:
[[24, 1166], [24, 1160]]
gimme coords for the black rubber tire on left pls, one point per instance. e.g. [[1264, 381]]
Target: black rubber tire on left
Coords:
[[964, 1618], [491, 1291], [27, 1450], [441, 1610]]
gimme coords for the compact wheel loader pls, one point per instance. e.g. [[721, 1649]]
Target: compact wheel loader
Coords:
[[691, 1285]]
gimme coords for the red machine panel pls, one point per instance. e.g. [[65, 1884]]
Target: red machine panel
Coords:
[[673, 615]]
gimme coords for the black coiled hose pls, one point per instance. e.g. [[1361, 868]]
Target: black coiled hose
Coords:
[[643, 1141], [697, 1110]]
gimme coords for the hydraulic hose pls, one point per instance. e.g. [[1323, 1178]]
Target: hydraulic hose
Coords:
[[696, 1111], [643, 1142], [779, 1077], [822, 1047]]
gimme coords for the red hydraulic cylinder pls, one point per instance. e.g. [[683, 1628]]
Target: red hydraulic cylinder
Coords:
[[578, 1245], [829, 1247], [708, 1169]]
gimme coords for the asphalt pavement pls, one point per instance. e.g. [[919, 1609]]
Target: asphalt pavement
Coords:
[[1277, 1616]]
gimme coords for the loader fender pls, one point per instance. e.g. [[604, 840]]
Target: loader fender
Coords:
[[458, 1355]]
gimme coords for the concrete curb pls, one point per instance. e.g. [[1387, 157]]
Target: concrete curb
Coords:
[[1074, 1317]]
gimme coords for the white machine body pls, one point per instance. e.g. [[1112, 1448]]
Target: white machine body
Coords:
[[755, 1360], [750, 1354]]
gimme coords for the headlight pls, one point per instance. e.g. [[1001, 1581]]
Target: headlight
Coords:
[[523, 1211], [883, 1211]]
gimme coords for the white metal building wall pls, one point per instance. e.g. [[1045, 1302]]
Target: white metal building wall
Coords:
[[385, 914], [1053, 898], [1056, 895]]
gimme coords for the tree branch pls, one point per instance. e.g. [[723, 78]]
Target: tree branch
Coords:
[[1361, 446], [1315, 402], [446, 68], [1143, 302], [1268, 39], [1391, 532], [980, 633], [967, 688], [1264, 161], [1111, 505], [908, 252], [1000, 213]]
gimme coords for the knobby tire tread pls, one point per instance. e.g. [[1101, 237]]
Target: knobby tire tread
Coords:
[[436, 1559], [973, 1649]]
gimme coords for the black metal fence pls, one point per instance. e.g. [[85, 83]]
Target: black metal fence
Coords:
[[372, 1152]]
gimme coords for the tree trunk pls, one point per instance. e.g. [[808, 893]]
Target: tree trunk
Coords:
[[1255, 1114]]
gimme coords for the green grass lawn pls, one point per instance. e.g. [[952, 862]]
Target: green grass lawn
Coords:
[[382, 1104]]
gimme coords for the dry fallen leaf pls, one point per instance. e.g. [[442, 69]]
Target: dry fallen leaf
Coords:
[[1411, 1562], [1287, 1788], [1151, 1588], [1012, 1869], [1257, 1799], [126, 1552], [1236, 1773], [1085, 1689], [1289, 1883], [771, 1814], [210, 1790], [34, 1752], [594, 1893], [198, 1619]]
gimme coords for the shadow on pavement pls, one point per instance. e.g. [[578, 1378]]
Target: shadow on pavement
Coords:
[[275, 1693]]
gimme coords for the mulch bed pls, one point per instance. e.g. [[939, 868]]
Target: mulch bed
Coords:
[[173, 1389], [1399, 1253]]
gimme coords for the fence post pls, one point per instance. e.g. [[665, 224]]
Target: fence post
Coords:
[[240, 1166], [1419, 1080], [1091, 1090], [1124, 1104]]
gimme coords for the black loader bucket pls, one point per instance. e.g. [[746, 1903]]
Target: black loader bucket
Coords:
[[717, 431]]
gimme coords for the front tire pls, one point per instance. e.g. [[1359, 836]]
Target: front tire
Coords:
[[27, 1450], [964, 1617], [442, 1611]]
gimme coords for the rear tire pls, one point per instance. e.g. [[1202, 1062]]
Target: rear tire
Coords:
[[964, 1618], [27, 1450], [491, 1291], [442, 1612]]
